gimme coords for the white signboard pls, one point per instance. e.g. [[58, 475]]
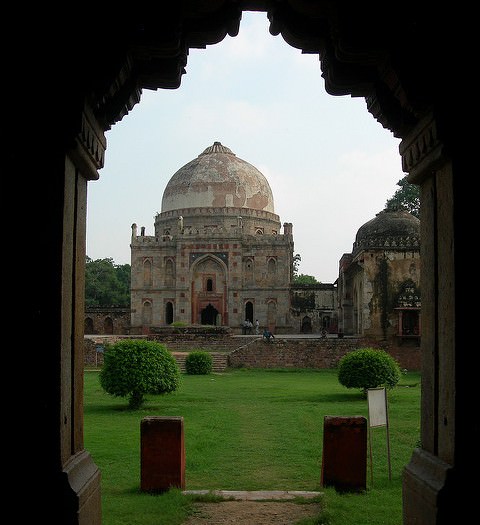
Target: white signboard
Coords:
[[378, 417], [377, 407]]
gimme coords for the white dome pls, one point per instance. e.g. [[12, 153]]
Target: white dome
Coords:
[[218, 178]]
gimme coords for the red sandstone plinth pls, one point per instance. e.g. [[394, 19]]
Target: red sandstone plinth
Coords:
[[344, 457], [162, 453]]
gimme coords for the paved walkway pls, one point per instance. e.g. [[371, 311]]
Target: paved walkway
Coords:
[[256, 495]]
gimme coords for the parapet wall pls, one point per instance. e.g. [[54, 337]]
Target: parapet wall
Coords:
[[252, 352], [292, 353], [311, 353]]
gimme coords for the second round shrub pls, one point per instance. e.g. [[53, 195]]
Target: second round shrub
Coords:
[[199, 362], [368, 368]]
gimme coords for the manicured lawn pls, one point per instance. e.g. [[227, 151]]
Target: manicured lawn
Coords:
[[249, 430]]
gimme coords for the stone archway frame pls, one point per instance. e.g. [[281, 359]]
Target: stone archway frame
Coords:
[[394, 58], [200, 299]]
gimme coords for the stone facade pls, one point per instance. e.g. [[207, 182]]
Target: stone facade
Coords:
[[183, 275], [109, 320], [314, 308], [218, 260], [217, 257]]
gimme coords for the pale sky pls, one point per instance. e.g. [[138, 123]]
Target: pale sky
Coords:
[[331, 166]]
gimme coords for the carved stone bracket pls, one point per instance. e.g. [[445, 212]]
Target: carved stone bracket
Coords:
[[421, 150], [90, 145]]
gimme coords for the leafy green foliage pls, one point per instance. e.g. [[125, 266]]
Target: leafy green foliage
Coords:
[[199, 362], [407, 197], [305, 279], [106, 283], [368, 368], [133, 368], [301, 278]]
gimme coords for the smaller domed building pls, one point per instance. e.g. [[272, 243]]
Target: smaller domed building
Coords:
[[379, 282]]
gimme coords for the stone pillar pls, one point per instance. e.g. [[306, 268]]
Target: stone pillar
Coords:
[[162, 453], [344, 456], [430, 492], [60, 482]]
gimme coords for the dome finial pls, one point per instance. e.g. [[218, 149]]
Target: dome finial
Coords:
[[217, 147]]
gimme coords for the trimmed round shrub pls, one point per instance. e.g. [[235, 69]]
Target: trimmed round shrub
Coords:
[[198, 362], [135, 367], [368, 368]]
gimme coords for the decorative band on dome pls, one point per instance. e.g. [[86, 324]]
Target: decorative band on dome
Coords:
[[217, 147]]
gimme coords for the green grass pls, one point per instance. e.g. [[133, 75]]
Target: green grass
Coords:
[[249, 430]]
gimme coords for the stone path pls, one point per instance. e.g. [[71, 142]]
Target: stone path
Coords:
[[262, 507], [257, 495]]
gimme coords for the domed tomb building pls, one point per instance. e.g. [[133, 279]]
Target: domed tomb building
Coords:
[[218, 256], [379, 282]]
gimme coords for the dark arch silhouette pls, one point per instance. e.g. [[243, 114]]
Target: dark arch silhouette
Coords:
[[249, 311], [169, 313], [209, 315], [306, 327], [108, 325], [89, 325]]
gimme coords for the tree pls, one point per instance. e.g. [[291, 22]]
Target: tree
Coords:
[[368, 368], [305, 279], [135, 367], [407, 197], [107, 283], [301, 278], [296, 262]]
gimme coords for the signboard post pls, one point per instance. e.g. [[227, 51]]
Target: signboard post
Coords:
[[99, 348], [378, 417]]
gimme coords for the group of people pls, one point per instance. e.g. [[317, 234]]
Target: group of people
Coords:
[[247, 328]]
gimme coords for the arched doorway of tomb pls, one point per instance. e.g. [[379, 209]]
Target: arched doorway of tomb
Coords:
[[88, 325], [209, 315], [306, 327], [108, 326], [249, 311], [168, 313], [209, 289], [326, 322]]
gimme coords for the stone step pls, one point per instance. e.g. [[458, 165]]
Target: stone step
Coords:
[[219, 360], [256, 495]]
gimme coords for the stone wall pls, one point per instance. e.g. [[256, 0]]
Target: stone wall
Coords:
[[313, 353], [292, 353], [253, 352], [104, 321]]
